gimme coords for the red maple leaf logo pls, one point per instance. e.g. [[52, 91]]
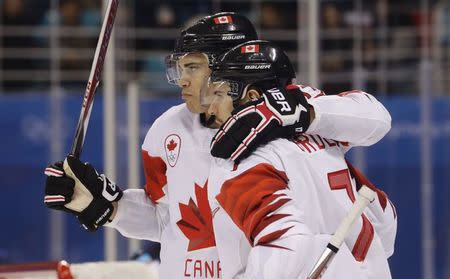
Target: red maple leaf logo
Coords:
[[172, 145], [196, 220]]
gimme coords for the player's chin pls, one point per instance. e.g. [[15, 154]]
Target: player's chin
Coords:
[[214, 125], [194, 107]]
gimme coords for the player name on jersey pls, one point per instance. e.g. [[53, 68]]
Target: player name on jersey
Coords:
[[314, 143]]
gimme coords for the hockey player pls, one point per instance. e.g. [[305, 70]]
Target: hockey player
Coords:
[[276, 210], [173, 209]]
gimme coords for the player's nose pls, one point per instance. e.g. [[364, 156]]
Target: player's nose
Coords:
[[212, 109], [183, 83]]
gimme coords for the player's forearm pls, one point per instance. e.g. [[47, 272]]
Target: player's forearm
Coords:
[[135, 216], [357, 118], [384, 220], [381, 212], [283, 263]]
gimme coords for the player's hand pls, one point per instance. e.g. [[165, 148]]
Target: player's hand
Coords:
[[92, 194], [280, 113]]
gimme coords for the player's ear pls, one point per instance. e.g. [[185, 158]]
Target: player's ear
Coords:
[[253, 94]]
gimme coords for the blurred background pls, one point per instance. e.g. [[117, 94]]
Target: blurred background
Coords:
[[398, 51]]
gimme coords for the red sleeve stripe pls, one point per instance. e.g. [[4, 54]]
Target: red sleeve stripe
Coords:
[[343, 94], [155, 176], [267, 239], [262, 218], [275, 246], [250, 199], [364, 240], [307, 96], [361, 179]]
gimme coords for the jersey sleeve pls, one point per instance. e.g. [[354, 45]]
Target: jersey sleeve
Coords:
[[381, 212], [138, 218], [142, 214], [355, 117], [260, 203], [298, 261], [155, 167]]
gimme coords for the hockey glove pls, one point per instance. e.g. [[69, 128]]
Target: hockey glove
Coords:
[[58, 188], [93, 194], [279, 114]]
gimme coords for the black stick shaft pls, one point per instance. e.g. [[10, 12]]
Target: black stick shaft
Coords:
[[94, 77]]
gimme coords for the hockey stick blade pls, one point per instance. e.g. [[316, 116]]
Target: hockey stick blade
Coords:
[[365, 196], [94, 77]]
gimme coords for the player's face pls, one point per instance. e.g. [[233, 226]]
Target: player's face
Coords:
[[221, 103], [194, 72]]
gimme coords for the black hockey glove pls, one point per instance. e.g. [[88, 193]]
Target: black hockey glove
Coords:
[[79, 189], [281, 113], [58, 188]]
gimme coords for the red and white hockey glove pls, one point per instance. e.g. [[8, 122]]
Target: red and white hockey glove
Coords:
[[281, 113], [77, 188]]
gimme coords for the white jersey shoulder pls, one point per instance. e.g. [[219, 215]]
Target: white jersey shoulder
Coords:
[[164, 123]]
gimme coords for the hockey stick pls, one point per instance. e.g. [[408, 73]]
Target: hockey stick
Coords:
[[94, 77], [365, 196]]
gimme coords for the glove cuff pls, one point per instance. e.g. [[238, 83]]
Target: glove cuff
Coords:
[[111, 192], [96, 214], [304, 120]]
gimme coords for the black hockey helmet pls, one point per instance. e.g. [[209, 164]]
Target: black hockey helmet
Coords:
[[258, 63], [211, 35]]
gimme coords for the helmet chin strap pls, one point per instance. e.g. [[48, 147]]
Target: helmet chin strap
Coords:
[[207, 122]]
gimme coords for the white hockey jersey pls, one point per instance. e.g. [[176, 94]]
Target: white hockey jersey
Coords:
[[280, 206], [174, 208], [177, 213]]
